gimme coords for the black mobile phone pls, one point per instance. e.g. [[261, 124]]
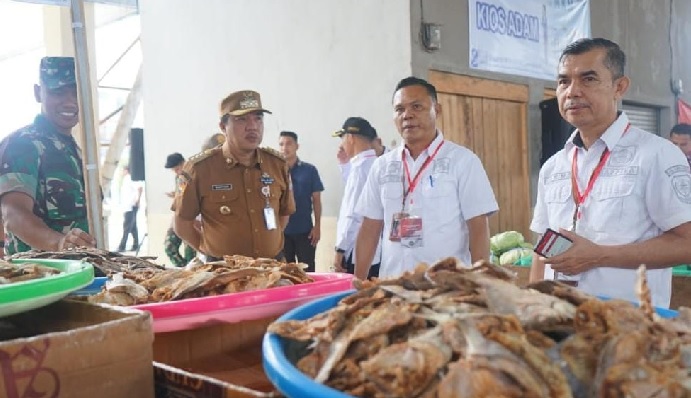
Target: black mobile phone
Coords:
[[552, 243]]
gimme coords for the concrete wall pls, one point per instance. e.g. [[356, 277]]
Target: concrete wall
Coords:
[[314, 62], [641, 27], [317, 62]]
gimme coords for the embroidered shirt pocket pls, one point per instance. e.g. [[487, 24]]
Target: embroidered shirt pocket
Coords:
[[557, 194], [607, 206], [392, 190]]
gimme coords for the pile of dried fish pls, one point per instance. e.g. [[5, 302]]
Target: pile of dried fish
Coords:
[[235, 274], [447, 331], [104, 262], [12, 273]]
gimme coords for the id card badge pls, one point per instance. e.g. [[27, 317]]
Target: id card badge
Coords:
[[411, 231], [395, 234], [270, 218]]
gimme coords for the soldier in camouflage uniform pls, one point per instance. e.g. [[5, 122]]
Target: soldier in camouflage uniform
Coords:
[[172, 242], [41, 178]]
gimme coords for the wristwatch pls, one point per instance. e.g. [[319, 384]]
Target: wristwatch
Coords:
[[339, 250]]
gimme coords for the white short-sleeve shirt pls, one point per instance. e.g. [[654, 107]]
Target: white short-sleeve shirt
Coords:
[[643, 190], [349, 222], [453, 188]]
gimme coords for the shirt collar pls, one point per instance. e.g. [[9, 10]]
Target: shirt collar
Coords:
[[430, 148], [610, 137], [360, 157], [45, 126]]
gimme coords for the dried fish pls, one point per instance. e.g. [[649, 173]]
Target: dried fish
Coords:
[[12, 273], [447, 331], [105, 262], [240, 274]]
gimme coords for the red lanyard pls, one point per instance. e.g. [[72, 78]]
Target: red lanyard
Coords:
[[413, 183], [578, 197]]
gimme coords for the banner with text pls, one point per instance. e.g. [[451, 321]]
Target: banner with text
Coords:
[[524, 38]]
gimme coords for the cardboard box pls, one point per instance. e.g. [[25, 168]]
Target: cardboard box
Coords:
[[219, 361], [75, 349]]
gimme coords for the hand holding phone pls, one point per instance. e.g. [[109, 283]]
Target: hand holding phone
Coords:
[[552, 243]]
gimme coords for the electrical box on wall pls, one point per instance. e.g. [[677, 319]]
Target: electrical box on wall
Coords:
[[431, 36]]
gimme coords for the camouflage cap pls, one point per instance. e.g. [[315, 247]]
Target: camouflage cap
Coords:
[[241, 103], [56, 72]]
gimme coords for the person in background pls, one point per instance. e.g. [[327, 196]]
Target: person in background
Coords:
[[356, 135], [620, 194], [379, 147], [131, 194], [431, 197], [680, 135], [344, 160], [172, 242], [242, 191], [301, 235], [215, 140], [42, 188]]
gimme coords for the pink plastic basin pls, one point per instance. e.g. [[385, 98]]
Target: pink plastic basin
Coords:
[[235, 307]]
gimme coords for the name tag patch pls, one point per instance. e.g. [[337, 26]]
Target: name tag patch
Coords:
[[678, 169], [557, 177], [620, 171], [222, 187]]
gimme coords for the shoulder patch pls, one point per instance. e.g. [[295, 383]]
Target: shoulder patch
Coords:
[[202, 155], [273, 152], [182, 180]]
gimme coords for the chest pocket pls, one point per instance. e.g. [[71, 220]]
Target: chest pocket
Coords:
[[558, 193], [437, 187], [62, 187], [392, 190], [275, 191], [223, 201], [607, 203]]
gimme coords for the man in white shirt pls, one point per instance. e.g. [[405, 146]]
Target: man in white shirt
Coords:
[[131, 194], [431, 197], [344, 160], [357, 136], [622, 195]]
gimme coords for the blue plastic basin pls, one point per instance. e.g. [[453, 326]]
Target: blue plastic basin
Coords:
[[292, 382], [281, 372], [93, 288]]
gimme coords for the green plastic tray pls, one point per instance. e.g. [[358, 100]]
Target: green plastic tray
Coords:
[[27, 295]]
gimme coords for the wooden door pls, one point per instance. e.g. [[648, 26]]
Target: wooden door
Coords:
[[489, 117]]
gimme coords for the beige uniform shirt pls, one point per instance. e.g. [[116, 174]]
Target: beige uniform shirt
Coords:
[[229, 197]]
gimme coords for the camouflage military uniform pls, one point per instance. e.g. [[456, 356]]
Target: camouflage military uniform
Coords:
[[172, 246], [46, 165]]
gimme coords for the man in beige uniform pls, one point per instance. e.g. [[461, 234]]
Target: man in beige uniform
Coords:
[[242, 192]]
